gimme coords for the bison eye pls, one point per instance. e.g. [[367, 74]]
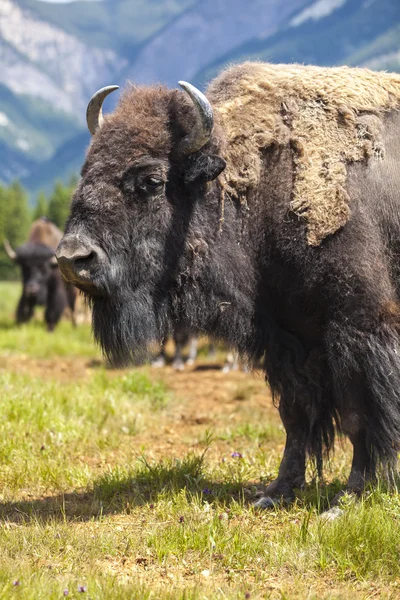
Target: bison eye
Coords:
[[142, 185], [152, 183]]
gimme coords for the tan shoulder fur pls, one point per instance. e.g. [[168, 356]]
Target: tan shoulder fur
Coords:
[[330, 116]]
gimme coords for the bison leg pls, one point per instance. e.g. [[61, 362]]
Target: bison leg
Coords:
[[71, 299], [25, 309], [363, 468], [194, 342], [291, 473], [366, 370], [181, 338], [231, 362], [52, 316], [363, 465], [160, 359], [177, 362], [55, 307]]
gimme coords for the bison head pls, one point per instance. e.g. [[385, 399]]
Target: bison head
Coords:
[[135, 228], [37, 264]]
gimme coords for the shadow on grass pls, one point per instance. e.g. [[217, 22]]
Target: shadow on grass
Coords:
[[98, 363], [120, 490], [209, 367]]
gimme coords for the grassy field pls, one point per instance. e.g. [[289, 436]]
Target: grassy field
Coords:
[[139, 484]]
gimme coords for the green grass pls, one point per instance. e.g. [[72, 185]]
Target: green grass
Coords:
[[32, 339], [105, 482]]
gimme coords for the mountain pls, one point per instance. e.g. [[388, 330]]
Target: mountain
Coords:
[[46, 76], [54, 56], [32, 126], [327, 32], [122, 25], [207, 31], [65, 163], [14, 164], [383, 53]]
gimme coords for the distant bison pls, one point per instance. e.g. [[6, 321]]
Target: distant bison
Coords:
[[266, 214], [42, 283], [181, 338]]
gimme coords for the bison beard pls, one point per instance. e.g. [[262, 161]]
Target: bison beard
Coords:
[[127, 325]]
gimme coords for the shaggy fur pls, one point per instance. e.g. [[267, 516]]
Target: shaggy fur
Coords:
[[325, 319], [330, 117]]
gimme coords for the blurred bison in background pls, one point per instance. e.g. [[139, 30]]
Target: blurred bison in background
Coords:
[[267, 215], [42, 283], [181, 337]]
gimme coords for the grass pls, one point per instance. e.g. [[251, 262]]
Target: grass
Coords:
[[140, 484], [32, 339]]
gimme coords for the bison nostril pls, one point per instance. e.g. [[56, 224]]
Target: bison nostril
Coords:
[[82, 262], [92, 256]]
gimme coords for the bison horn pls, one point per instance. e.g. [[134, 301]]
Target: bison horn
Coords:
[[11, 253], [201, 133], [94, 113]]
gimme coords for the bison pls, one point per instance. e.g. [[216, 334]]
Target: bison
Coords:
[[42, 283], [265, 213]]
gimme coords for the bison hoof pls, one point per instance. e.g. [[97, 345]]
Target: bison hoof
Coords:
[[158, 362], [332, 514], [178, 365], [267, 502]]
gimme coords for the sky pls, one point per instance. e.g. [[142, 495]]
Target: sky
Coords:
[[65, 1]]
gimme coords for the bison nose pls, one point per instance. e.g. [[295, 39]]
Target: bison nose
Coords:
[[77, 258], [31, 289]]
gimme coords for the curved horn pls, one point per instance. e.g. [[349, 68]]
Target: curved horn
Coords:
[[11, 253], [94, 113], [201, 132]]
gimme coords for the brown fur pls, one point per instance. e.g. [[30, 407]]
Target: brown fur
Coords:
[[330, 117], [45, 232]]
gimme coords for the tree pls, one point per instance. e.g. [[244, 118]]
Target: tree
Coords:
[[15, 219], [18, 216], [42, 206], [59, 203]]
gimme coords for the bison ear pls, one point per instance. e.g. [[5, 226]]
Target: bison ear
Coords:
[[203, 167]]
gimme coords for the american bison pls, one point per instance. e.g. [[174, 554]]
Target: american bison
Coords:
[[265, 214], [42, 283]]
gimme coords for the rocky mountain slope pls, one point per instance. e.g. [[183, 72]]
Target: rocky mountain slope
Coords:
[[53, 56], [211, 29], [328, 32]]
